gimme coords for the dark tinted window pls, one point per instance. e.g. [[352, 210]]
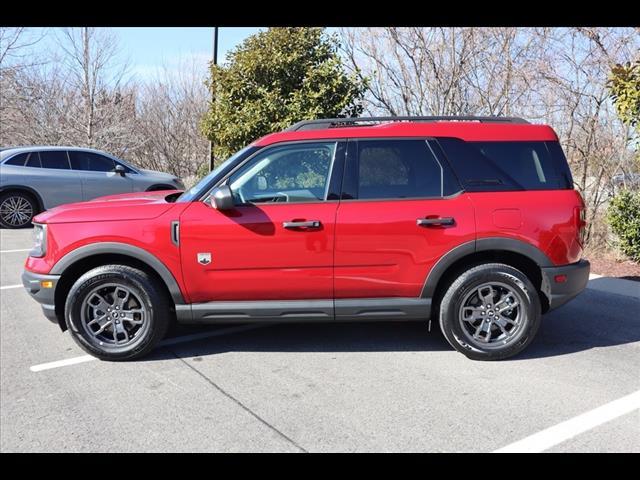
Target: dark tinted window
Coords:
[[55, 159], [18, 160], [33, 160], [560, 162], [491, 166], [397, 169], [90, 161]]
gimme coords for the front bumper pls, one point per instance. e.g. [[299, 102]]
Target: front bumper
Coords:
[[559, 293], [45, 296]]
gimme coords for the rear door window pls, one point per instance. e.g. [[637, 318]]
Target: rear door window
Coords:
[[33, 160], [397, 169], [56, 159]]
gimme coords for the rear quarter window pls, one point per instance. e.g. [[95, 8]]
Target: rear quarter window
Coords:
[[17, 160], [497, 166]]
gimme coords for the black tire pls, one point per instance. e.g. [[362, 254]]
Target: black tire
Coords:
[[467, 288], [9, 198], [145, 294]]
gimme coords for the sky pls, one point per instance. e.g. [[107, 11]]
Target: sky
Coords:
[[149, 49]]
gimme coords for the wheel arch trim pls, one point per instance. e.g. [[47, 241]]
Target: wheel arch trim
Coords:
[[122, 249], [481, 245]]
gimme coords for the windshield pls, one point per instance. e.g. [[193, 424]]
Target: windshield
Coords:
[[221, 170]]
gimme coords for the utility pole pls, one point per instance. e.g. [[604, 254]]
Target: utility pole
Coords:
[[213, 94]]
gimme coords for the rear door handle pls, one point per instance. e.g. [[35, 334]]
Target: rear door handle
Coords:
[[305, 224], [425, 222]]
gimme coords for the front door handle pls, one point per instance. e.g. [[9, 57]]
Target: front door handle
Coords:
[[305, 224], [426, 222]]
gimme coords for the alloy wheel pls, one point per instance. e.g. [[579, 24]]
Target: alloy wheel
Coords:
[[114, 315], [16, 211], [492, 315]]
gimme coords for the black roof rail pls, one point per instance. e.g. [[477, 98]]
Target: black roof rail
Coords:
[[354, 121]]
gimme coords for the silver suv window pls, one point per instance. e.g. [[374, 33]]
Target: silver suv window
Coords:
[[90, 161], [56, 159], [17, 160]]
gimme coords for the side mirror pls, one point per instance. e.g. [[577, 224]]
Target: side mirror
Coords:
[[222, 198], [120, 170]]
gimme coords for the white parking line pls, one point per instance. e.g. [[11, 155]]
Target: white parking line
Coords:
[[7, 287], [16, 250], [164, 343], [62, 363], [552, 436]]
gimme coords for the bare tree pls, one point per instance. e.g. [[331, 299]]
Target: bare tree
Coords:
[[552, 75], [442, 71], [15, 43], [94, 70], [170, 108]]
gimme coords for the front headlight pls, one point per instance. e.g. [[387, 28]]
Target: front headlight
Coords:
[[39, 240]]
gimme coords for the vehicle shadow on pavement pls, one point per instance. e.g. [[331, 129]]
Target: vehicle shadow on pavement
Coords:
[[313, 337], [593, 319]]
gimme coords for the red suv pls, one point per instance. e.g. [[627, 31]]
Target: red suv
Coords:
[[470, 221]]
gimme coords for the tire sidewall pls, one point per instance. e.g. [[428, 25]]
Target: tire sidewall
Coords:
[[135, 280], [28, 198], [468, 281]]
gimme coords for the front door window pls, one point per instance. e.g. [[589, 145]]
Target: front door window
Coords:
[[289, 173]]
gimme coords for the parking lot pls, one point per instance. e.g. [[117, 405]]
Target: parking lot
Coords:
[[322, 387]]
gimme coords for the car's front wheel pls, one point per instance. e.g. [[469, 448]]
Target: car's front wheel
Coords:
[[491, 312], [116, 312], [17, 209]]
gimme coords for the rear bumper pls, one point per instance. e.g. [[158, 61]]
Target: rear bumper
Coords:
[[559, 293], [44, 296]]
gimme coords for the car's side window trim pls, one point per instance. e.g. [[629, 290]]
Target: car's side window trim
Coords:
[[339, 151]]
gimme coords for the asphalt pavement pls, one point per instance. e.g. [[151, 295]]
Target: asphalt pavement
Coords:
[[322, 387]]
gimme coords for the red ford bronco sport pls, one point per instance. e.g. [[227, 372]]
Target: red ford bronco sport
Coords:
[[470, 221]]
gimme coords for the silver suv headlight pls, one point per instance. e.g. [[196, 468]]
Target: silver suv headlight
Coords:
[[39, 240]]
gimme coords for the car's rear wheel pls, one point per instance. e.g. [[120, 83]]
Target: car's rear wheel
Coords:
[[491, 312], [116, 312], [17, 209]]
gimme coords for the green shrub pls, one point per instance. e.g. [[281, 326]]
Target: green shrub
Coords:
[[623, 215]]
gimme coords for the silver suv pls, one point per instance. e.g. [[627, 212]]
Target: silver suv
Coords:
[[34, 179]]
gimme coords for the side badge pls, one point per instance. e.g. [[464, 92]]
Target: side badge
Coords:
[[204, 258]]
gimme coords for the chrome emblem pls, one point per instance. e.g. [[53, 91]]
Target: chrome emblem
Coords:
[[204, 258]]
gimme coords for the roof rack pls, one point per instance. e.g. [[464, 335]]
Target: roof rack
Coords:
[[355, 121]]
